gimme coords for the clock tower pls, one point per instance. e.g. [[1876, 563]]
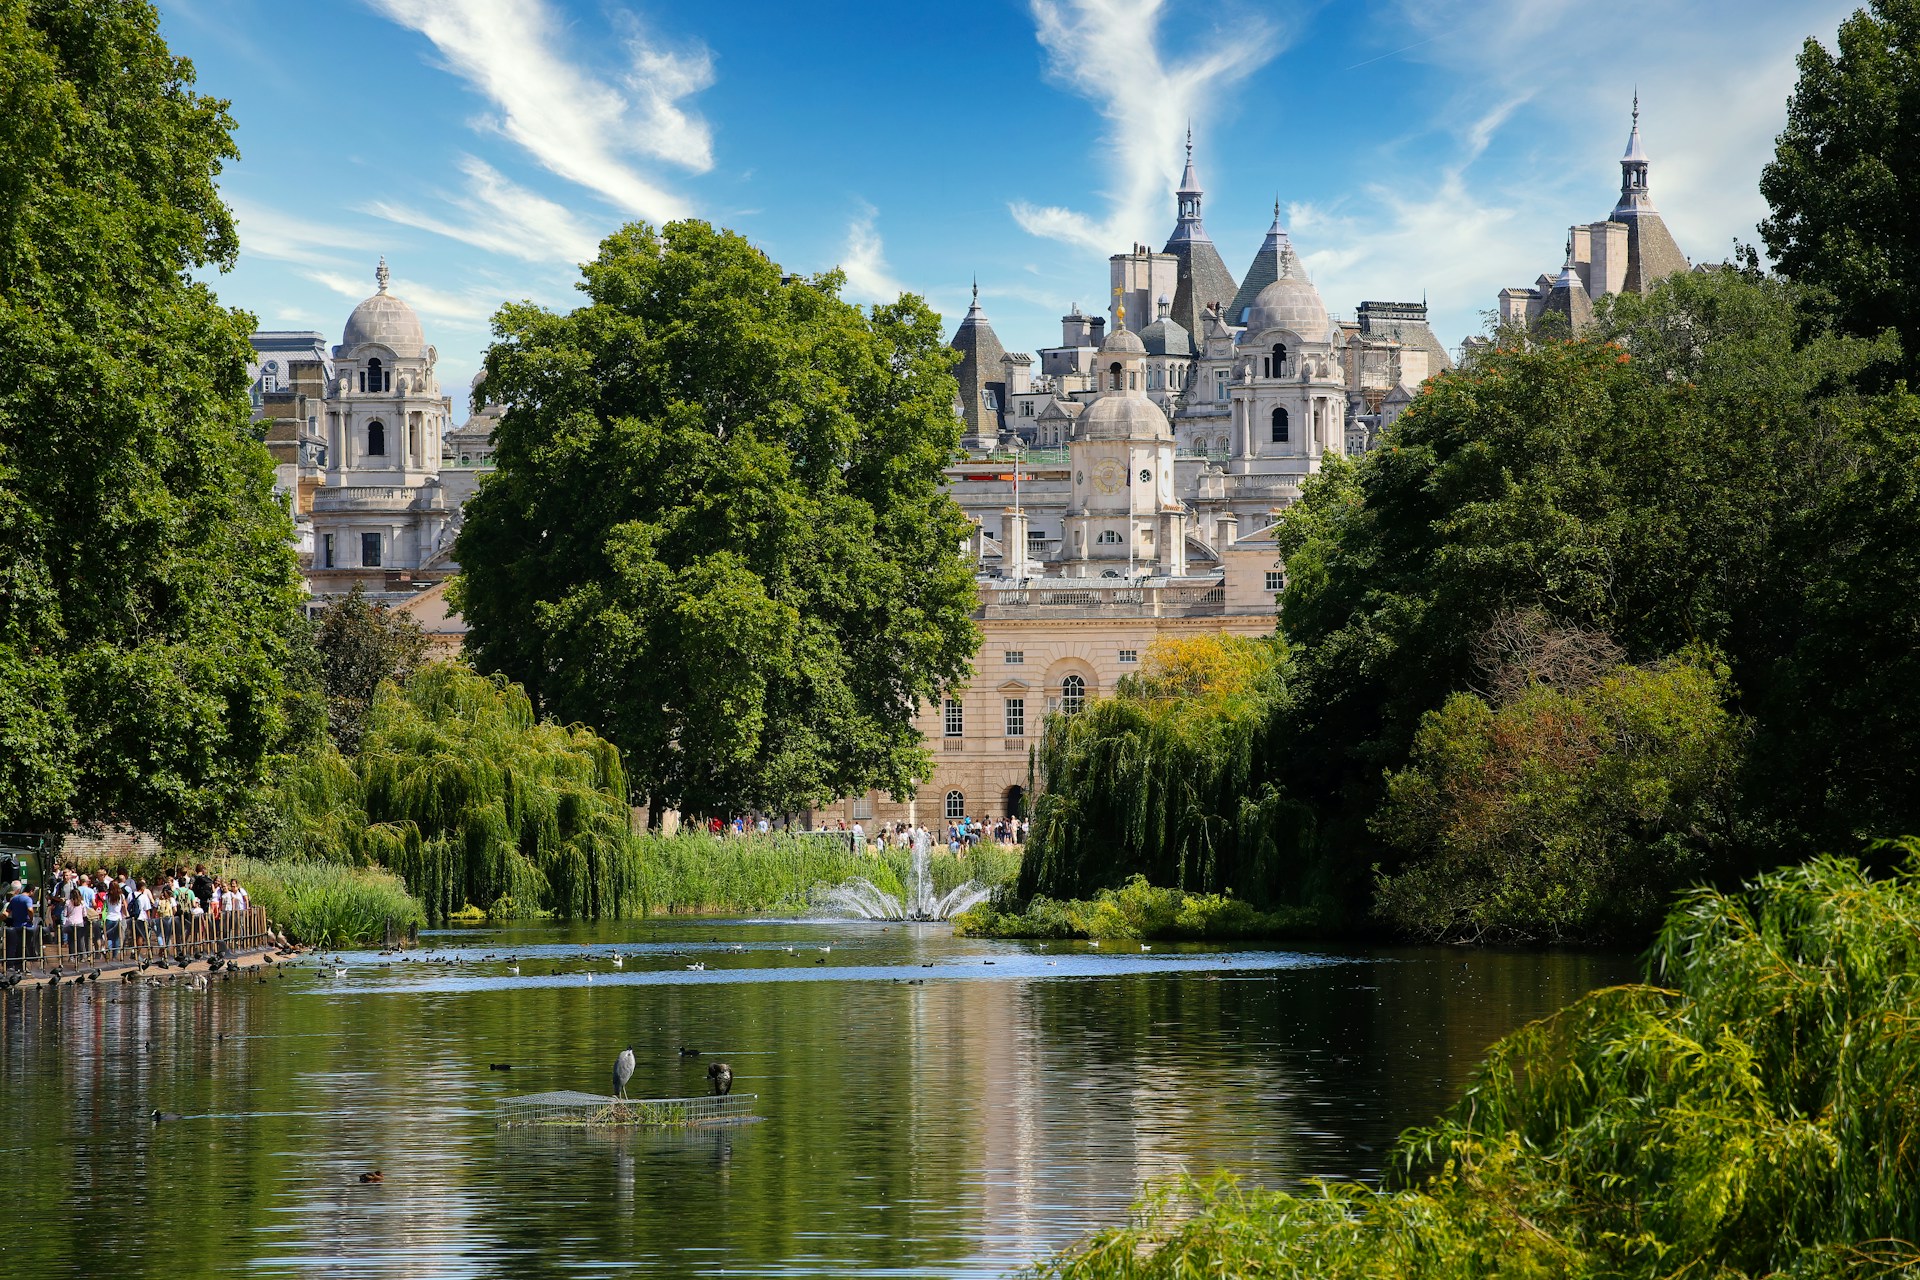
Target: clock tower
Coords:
[[1122, 518]]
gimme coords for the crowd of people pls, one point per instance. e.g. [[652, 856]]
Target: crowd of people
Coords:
[[99, 913], [962, 833]]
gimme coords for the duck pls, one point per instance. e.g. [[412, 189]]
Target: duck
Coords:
[[686, 1051], [499, 1066], [619, 961], [375, 1176], [696, 967], [160, 1116]]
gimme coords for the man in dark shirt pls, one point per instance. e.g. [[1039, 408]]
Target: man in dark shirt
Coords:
[[19, 922], [202, 886]]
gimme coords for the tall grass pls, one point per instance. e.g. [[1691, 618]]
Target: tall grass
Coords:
[[776, 874], [325, 904], [1754, 1114]]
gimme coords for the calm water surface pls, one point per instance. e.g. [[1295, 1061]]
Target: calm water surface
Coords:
[[931, 1106]]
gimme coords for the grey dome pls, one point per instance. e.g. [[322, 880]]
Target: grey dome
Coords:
[[1291, 303], [1122, 417], [1165, 337], [387, 320], [1124, 340]]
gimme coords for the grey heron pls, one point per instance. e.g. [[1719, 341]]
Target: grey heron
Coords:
[[622, 1072]]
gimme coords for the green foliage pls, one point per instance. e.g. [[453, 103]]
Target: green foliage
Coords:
[[1161, 779], [1650, 483], [360, 646], [1135, 910], [693, 873], [1753, 1115], [327, 905], [1561, 813], [470, 799], [147, 579], [1845, 177], [717, 530]]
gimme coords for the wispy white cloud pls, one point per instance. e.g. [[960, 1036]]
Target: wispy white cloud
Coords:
[[469, 309], [865, 260], [272, 233], [1115, 54], [576, 123], [502, 217]]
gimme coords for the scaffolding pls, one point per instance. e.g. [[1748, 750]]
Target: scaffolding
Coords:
[[569, 1108]]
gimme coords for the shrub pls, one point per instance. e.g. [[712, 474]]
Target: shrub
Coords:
[[1750, 1115], [1135, 910]]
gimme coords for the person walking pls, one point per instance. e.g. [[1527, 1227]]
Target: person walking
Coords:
[[113, 915], [73, 923]]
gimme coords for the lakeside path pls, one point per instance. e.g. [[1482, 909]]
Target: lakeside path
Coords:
[[117, 972]]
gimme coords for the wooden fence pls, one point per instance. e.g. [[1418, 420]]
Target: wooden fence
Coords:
[[96, 944]]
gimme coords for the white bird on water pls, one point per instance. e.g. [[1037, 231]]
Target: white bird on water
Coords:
[[589, 977], [1145, 947], [619, 961], [696, 967]]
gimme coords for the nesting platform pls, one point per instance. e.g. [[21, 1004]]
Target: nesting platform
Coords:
[[569, 1108]]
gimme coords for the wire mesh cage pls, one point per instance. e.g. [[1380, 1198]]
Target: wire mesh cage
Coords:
[[571, 1108]]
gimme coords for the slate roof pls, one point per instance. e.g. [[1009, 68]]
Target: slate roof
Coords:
[[1261, 272], [979, 369]]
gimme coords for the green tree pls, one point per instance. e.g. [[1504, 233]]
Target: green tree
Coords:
[[1635, 483], [1160, 780], [360, 645], [1845, 177], [717, 531], [147, 581], [1562, 810], [459, 788]]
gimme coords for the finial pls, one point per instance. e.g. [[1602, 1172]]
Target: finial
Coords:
[[1636, 106], [381, 274], [1189, 138], [976, 290]]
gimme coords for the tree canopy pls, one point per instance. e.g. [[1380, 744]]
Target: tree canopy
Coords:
[[359, 645], [147, 579], [1845, 178], [717, 531]]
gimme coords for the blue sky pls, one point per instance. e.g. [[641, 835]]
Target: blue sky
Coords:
[[1434, 148]]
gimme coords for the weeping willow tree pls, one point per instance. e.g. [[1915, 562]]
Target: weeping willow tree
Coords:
[[1751, 1112], [1160, 780], [463, 792]]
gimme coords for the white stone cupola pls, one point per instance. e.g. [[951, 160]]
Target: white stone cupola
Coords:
[[386, 417], [1122, 517], [1289, 392]]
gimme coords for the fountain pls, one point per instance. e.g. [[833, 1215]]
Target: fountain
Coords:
[[863, 898]]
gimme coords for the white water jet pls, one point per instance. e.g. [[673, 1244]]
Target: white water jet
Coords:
[[862, 898]]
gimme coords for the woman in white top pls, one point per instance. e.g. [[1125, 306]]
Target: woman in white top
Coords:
[[73, 923]]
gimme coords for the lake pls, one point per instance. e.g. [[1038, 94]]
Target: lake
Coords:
[[930, 1105]]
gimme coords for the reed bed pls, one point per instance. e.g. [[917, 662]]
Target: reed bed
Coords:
[[696, 874]]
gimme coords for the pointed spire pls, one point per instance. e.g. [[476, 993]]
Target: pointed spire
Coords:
[[1634, 192], [973, 312], [381, 274]]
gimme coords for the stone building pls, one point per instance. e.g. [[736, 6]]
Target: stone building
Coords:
[[1629, 251], [364, 446]]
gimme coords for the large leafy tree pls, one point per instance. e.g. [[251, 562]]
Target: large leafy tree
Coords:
[[1641, 483], [147, 585], [717, 532], [1845, 177], [360, 645]]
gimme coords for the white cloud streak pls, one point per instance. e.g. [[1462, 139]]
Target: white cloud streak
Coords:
[[577, 124], [502, 217], [469, 310], [1111, 52], [270, 233], [865, 260]]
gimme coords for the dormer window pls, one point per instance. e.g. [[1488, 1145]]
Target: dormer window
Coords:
[[376, 439]]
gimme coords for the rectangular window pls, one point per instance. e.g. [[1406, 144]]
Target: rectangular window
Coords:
[[1129, 656], [1016, 717], [326, 551], [1026, 408], [1014, 657], [1276, 580], [990, 398], [370, 550], [1219, 384], [956, 724], [863, 808]]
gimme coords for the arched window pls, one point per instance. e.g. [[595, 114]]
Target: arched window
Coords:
[[1073, 695], [1279, 425], [1279, 359], [376, 378], [1113, 376], [376, 439], [1108, 537], [956, 806]]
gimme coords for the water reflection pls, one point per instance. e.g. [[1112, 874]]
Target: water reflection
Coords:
[[924, 1112]]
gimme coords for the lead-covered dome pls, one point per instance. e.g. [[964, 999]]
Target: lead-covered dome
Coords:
[[1291, 303], [1124, 339], [386, 320], [1122, 417]]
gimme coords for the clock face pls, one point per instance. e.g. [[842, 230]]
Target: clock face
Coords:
[[1108, 475]]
